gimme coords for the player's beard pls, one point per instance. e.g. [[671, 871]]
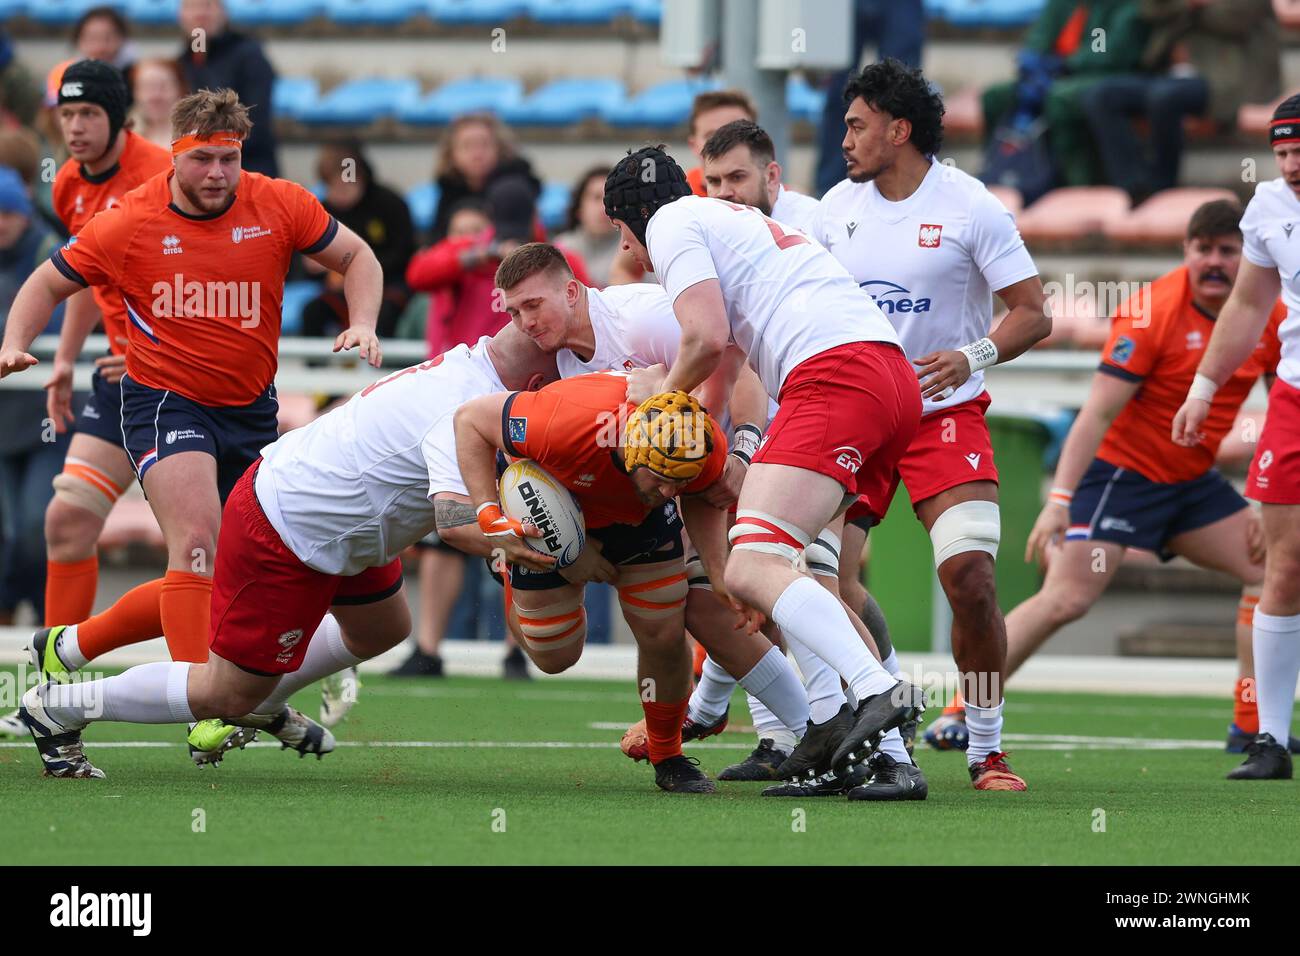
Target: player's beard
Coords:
[[202, 202], [860, 174]]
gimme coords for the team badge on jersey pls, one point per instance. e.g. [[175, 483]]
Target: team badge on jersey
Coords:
[[518, 429], [929, 235], [1122, 351]]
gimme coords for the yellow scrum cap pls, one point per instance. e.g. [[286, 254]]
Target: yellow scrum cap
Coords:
[[670, 434]]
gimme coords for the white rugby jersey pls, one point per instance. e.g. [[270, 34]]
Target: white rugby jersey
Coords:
[[354, 488], [1271, 215], [794, 209], [634, 327], [787, 299], [932, 262]]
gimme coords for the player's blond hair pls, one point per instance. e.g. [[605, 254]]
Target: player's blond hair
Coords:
[[210, 111]]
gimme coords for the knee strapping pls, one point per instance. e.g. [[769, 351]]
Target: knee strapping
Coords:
[[696, 576], [768, 534], [966, 526], [84, 486], [1246, 606], [823, 555], [652, 593], [553, 626]]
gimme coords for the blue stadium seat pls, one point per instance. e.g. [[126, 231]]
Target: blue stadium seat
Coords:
[[373, 12], [476, 11], [577, 12], [296, 296], [61, 12], [804, 101], [423, 203], [563, 102], [485, 93], [293, 94], [647, 11], [362, 101], [12, 8], [256, 13], [153, 12], [1002, 14], [664, 104], [553, 205]]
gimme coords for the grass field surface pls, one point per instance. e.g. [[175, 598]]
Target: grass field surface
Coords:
[[480, 771]]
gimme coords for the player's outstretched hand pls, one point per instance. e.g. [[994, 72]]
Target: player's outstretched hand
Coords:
[[941, 372], [645, 382], [724, 492], [1049, 531], [58, 397], [363, 340], [1188, 422], [15, 360]]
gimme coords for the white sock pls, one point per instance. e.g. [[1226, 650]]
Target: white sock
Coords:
[[984, 726], [69, 651], [709, 699], [892, 744], [1276, 641], [825, 694], [809, 614], [767, 726], [326, 654], [890, 663], [148, 694], [773, 681]]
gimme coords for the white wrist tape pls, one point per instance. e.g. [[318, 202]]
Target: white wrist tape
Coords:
[[980, 354], [744, 443], [1203, 387]]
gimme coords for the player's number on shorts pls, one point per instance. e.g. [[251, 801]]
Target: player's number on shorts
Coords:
[[783, 239]]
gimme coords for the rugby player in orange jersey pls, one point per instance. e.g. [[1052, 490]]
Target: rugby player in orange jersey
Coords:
[[1121, 482], [198, 256], [628, 466]]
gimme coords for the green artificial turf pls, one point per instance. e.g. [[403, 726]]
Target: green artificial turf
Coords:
[[479, 804]]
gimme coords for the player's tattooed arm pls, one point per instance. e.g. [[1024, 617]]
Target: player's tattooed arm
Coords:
[[458, 524]]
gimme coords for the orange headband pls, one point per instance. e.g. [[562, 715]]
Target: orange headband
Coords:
[[195, 141]]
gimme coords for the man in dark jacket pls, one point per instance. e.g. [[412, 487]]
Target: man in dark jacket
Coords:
[[215, 57]]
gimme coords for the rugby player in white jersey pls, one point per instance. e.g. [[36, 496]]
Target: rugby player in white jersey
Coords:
[[1270, 265], [932, 246], [849, 405], [308, 581]]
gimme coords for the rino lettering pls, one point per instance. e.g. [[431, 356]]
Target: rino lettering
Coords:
[[537, 512]]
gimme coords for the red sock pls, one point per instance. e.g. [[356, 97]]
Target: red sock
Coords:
[[700, 655], [663, 725], [136, 617], [70, 590], [1245, 713], [185, 604], [957, 704]]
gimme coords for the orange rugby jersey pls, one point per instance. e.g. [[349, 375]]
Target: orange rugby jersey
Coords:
[[572, 428], [202, 293], [77, 196], [1159, 340]]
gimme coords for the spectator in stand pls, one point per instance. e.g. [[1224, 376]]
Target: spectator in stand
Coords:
[[20, 92], [588, 231], [379, 216], [156, 86], [459, 271], [216, 57], [101, 33], [475, 154], [1205, 58], [20, 150], [897, 28], [31, 454], [1067, 49]]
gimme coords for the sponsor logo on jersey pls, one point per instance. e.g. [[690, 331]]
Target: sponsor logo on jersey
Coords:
[[849, 227], [1117, 524], [539, 516], [929, 235], [892, 297], [850, 459], [240, 233], [628, 365], [1122, 350], [172, 245], [186, 434], [973, 460], [72, 241], [518, 429], [1287, 229], [585, 480], [79, 207], [70, 90], [1195, 340], [288, 641]]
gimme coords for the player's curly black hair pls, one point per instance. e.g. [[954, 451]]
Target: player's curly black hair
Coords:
[[895, 88]]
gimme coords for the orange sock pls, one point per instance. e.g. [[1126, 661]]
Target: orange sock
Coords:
[[136, 617], [1245, 713], [700, 655], [185, 605], [70, 590], [663, 725], [957, 704]]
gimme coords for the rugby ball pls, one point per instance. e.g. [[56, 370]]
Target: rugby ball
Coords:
[[530, 493]]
